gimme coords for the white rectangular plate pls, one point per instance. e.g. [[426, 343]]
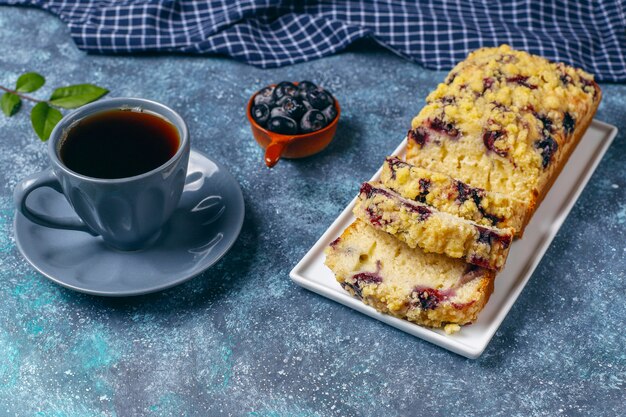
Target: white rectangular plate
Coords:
[[524, 256]]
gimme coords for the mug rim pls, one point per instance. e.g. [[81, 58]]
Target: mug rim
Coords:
[[157, 108]]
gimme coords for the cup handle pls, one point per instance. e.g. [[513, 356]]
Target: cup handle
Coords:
[[45, 178], [273, 152]]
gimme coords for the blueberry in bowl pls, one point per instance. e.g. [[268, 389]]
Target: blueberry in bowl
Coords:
[[312, 120], [283, 124], [292, 106], [265, 96], [292, 119], [260, 113], [293, 100], [283, 89], [304, 87], [319, 98], [330, 112], [275, 112]]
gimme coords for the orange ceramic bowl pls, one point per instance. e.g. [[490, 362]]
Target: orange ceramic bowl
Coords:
[[277, 145]]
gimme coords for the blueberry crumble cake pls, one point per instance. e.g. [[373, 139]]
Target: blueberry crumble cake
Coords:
[[481, 155]]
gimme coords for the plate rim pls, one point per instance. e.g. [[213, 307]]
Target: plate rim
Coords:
[[437, 336], [147, 290]]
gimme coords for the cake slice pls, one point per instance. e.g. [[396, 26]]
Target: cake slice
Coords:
[[425, 288], [418, 224], [453, 196], [504, 121]]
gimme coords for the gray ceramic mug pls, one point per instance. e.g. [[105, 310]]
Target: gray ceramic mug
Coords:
[[128, 213]]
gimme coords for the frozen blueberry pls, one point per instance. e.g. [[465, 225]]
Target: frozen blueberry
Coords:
[[283, 89], [312, 120], [261, 113], [330, 112], [307, 105], [304, 87], [292, 106], [277, 111], [282, 124], [265, 96], [319, 99]]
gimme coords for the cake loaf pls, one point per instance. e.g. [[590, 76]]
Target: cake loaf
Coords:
[[504, 121], [425, 288], [418, 224], [481, 155], [453, 196]]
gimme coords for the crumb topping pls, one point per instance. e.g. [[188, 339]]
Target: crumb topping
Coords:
[[516, 108]]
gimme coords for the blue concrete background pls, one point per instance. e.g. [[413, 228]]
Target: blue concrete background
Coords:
[[242, 339]]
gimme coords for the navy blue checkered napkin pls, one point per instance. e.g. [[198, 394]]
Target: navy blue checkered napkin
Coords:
[[272, 33]]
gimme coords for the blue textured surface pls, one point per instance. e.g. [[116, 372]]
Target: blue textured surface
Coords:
[[242, 339]]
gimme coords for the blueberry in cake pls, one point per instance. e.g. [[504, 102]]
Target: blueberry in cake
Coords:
[[425, 288], [418, 224]]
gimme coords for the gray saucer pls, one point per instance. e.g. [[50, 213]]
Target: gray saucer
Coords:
[[202, 229]]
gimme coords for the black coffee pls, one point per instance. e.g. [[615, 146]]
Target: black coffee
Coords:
[[119, 144]]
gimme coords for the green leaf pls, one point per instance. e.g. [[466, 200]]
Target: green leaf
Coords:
[[10, 104], [29, 82], [77, 95], [44, 118]]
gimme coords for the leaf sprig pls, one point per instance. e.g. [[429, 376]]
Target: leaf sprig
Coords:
[[45, 114]]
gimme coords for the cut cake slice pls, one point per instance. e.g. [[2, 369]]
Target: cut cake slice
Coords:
[[418, 224], [453, 196], [425, 288]]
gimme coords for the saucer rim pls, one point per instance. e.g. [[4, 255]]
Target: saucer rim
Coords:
[[148, 290]]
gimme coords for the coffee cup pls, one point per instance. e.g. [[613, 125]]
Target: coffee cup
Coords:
[[111, 162]]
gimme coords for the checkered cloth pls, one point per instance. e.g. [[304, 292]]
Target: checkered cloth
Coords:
[[272, 33]]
